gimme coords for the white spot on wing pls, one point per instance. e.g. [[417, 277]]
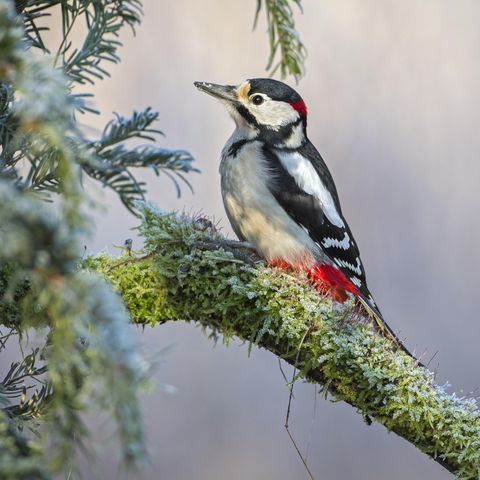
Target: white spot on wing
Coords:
[[302, 170], [334, 242], [342, 263], [356, 281]]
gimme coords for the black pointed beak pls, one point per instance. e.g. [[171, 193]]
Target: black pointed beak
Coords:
[[224, 92]]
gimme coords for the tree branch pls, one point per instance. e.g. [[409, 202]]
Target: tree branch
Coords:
[[275, 310]]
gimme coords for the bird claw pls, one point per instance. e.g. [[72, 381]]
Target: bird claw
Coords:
[[236, 248]]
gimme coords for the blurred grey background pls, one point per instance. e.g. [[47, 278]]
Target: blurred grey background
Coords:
[[393, 94]]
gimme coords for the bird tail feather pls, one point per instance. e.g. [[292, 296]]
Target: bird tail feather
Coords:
[[382, 326]]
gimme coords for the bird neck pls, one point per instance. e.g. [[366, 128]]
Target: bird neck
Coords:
[[290, 136]]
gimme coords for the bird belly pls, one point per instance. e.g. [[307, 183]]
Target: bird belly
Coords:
[[256, 215]]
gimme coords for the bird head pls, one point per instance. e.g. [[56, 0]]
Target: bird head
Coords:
[[269, 109]]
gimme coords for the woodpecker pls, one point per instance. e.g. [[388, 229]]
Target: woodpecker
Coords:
[[280, 196]]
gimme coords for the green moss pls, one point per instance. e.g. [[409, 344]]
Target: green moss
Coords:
[[282, 313]]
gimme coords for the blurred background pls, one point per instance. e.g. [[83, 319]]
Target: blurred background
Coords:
[[393, 94]]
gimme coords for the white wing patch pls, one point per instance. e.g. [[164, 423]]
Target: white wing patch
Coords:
[[333, 242], [308, 180], [342, 263]]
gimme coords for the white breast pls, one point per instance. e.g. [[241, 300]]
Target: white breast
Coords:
[[254, 211]]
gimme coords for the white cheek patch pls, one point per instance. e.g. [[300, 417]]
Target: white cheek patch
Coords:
[[272, 113], [308, 180]]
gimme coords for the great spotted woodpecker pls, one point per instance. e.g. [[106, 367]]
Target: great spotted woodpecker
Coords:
[[280, 196]]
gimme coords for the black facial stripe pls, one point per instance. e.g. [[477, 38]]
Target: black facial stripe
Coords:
[[235, 147], [277, 137], [243, 111]]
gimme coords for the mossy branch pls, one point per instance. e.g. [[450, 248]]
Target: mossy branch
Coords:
[[184, 275]]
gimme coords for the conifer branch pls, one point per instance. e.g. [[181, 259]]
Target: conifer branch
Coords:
[[108, 160], [87, 357], [114, 159], [287, 52]]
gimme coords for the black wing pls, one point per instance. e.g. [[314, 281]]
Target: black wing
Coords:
[[337, 242], [307, 210]]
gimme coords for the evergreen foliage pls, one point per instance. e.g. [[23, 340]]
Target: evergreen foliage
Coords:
[[287, 52], [86, 359], [83, 357]]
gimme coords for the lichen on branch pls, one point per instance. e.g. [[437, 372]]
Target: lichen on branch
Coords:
[[179, 276]]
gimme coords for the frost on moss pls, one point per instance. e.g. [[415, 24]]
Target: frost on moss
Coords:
[[184, 275]]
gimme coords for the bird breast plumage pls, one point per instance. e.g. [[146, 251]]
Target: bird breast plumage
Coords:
[[253, 211]]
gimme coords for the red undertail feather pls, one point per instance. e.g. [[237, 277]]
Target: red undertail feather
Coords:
[[330, 280], [327, 279]]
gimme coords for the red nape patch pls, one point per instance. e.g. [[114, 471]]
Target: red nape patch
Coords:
[[330, 280], [300, 107]]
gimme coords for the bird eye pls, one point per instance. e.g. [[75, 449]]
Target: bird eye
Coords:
[[257, 99]]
